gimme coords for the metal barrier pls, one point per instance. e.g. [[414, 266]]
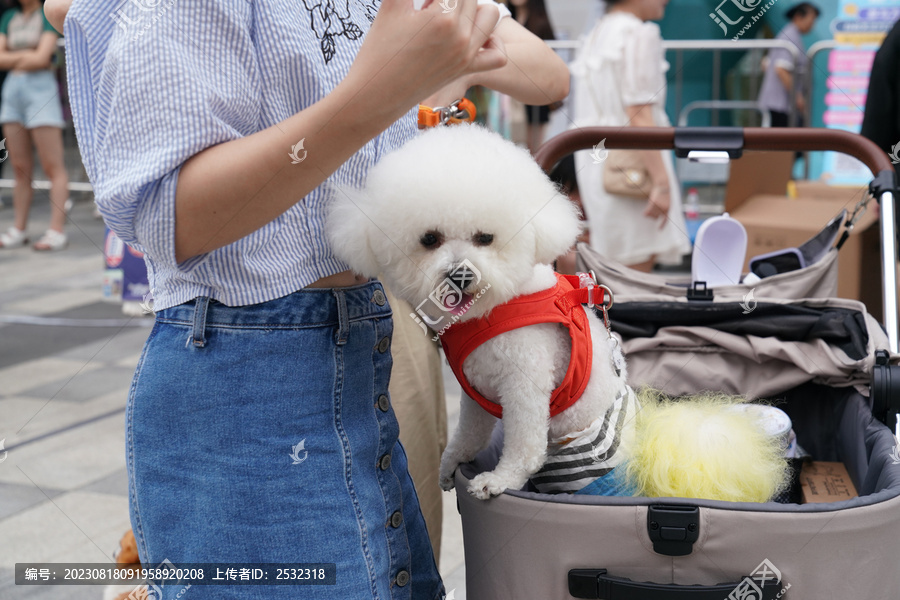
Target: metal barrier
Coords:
[[716, 46], [714, 105]]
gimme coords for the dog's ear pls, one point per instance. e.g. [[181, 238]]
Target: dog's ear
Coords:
[[556, 227], [350, 229]]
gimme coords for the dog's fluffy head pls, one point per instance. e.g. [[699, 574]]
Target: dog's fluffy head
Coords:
[[455, 207]]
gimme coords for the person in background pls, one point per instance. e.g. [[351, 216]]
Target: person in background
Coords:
[[563, 174], [31, 115], [620, 77], [780, 70], [881, 121], [532, 15], [5, 5]]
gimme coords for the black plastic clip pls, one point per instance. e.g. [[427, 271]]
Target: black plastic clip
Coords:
[[699, 291], [885, 388], [709, 139], [673, 529], [885, 181]]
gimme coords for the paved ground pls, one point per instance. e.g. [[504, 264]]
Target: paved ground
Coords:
[[63, 387]]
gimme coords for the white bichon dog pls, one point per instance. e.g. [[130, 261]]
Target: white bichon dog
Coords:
[[460, 222]]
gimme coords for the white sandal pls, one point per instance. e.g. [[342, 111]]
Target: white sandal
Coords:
[[13, 238], [51, 241]]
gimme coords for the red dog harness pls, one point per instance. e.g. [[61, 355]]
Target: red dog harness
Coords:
[[559, 304]]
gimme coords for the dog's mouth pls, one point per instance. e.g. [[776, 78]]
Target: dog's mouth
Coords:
[[460, 308]]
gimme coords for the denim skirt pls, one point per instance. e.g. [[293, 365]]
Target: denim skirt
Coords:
[[264, 434]]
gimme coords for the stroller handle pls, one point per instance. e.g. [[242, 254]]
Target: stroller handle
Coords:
[[799, 139], [734, 140], [597, 583]]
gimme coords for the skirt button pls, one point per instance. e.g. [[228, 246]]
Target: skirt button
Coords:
[[384, 403], [396, 519], [385, 462], [402, 578], [379, 298], [383, 344]]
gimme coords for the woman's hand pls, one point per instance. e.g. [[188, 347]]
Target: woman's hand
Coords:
[[409, 54], [9, 61], [659, 201], [454, 90], [31, 60], [39, 58], [534, 74], [658, 204]]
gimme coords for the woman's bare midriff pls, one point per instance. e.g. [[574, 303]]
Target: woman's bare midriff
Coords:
[[343, 279]]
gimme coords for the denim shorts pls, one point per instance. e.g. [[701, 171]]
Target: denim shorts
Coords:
[[264, 434], [31, 98]]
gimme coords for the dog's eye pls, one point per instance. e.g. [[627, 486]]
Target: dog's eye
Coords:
[[483, 239], [431, 239]]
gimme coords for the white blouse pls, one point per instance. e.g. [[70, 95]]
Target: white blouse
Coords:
[[620, 64]]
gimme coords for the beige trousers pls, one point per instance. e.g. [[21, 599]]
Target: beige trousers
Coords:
[[417, 395]]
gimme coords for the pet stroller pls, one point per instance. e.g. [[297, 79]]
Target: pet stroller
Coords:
[[825, 361]]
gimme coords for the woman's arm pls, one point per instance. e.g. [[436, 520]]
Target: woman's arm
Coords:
[[641, 115], [230, 190], [8, 60], [533, 74], [55, 11], [41, 57], [787, 80]]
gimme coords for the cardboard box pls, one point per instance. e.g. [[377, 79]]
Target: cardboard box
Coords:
[[778, 222], [825, 482], [744, 180], [818, 190]]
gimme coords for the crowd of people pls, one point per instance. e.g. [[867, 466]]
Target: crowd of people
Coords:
[[282, 338]]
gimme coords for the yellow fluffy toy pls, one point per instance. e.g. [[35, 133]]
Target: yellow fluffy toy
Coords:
[[703, 447]]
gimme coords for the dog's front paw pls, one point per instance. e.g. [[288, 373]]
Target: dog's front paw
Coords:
[[446, 482], [488, 485], [448, 468]]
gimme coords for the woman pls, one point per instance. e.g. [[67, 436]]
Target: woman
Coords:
[[621, 82], [259, 426], [532, 15], [778, 82], [31, 115]]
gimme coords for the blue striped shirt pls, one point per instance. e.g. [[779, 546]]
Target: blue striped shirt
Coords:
[[154, 82]]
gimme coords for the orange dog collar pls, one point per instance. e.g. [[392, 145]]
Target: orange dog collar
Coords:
[[460, 111]]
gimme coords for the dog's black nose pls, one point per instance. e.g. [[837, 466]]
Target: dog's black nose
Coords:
[[462, 275]]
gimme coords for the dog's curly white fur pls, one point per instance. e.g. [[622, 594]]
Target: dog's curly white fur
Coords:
[[480, 198]]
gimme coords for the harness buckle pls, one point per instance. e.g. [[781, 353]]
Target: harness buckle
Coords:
[[589, 281]]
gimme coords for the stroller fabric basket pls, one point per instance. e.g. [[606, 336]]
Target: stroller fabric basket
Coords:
[[523, 545], [810, 354], [777, 342]]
